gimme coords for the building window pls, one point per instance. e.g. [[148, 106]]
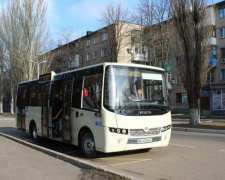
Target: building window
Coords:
[[103, 52], [95, 40], [169, 77], [81, 45], [210, 76], [222, 32], [88, 43], [77, 45], [81, 60], [95, 55], [219, 99], [178, 61], [213, 52], [214, 32], [179, 79], [64, 64], [222, 74], [88, 56], [178, 97], [221, 13], [181, 98], [104, 36], [222, 52]]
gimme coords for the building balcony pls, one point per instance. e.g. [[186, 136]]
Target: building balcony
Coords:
[[213, 40], [139, 58], [212, 62]]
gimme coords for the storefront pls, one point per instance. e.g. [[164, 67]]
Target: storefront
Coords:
[[218, 99], [213, 99]]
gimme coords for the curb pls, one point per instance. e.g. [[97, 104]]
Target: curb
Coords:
[[80, 163], [185, 119], [199, 130]]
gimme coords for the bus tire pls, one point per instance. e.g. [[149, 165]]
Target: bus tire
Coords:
[[88, 145], [34, 133]]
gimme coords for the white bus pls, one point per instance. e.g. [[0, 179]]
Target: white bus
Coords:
[[108, 107]]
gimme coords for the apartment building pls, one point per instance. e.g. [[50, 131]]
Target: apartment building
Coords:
[[214, 91], [123, 42], [109, 44]]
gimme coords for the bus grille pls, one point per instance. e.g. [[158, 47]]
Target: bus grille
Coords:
[[141, 132]]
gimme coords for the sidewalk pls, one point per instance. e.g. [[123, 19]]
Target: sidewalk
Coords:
[[177, 120]]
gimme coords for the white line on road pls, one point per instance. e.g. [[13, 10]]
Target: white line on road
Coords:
[[222, 150], [7, 119], [182, 145]]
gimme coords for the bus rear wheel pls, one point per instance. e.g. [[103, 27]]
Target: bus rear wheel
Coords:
[[34, 133], [88, 145]]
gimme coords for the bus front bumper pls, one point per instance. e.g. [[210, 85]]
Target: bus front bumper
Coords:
[[119, 142]]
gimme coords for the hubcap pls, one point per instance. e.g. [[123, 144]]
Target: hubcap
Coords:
[[89, 145], [34, 133]]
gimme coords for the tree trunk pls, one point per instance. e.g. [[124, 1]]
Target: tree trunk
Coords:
[[12, 104], [12, 99], [194, 116], [194, 111], [1, 107], [1, 99]]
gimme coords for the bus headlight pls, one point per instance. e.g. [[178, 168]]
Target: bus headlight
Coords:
[[118, 130], [165, 128]]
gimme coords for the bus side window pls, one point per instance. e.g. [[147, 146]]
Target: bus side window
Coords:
[[92, 92], [77, 89]]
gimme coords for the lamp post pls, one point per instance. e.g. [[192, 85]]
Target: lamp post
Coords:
[[38, 65]]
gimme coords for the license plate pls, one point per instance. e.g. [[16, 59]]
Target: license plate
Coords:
[[142, 141]]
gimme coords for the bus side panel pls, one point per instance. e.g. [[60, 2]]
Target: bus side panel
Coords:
[[86, 119], [33, 113]]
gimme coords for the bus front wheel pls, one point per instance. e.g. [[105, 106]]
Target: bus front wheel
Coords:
[[88, 145]]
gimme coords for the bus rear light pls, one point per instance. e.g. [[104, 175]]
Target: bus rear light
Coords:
[[118, 130]]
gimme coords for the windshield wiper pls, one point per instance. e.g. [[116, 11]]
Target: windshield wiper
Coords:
[[129, 104]]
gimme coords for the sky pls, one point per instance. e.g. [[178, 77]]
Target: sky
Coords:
[[79, 16]]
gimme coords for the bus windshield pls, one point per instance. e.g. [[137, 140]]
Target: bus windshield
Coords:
[[132, 88]]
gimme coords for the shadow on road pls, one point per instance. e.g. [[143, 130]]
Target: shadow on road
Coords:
[[60, 147]]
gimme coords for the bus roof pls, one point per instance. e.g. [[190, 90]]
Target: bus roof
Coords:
[[100, 64], [108, 63]]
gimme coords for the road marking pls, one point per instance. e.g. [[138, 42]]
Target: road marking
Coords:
[[129, 159], [7, 119], [131, 162], [182, 145], [222, 150]]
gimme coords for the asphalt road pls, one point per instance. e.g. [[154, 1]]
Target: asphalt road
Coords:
[[189, 156]]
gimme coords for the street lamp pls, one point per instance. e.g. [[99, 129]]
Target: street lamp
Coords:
[[38, 65]]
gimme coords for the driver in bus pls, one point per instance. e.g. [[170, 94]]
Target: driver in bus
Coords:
[[138, 95]]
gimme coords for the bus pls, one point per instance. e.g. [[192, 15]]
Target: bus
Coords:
[[108, 107]]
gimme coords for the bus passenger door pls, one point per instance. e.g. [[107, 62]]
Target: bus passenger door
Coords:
[[66, 124], [22, 101], [45, 110]]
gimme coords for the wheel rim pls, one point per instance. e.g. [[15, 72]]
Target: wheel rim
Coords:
[[34, 132], [89, 145]]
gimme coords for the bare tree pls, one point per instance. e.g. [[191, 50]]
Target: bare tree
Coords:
[[23, 27], [154, 17], [193, 32], [2, 68], [115, 18]]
